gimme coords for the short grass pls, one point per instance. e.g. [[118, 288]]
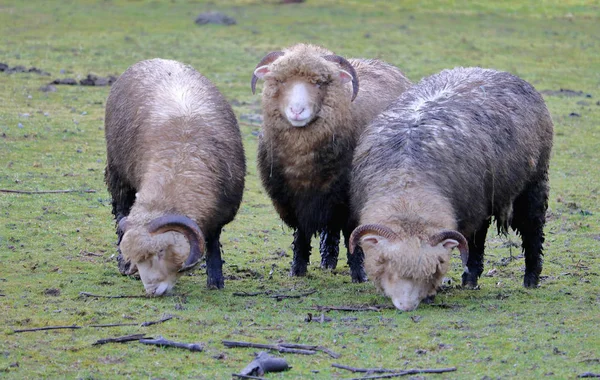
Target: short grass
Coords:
[[53, 246]]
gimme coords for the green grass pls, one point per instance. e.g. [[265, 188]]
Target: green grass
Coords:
[[499, 331]]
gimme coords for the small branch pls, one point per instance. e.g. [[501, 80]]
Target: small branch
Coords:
[[312, 348], [163, 319], [103, 296], [280, 297], [246, 294], [45, 191], [120, 339], [363, 370], [239, 375], [160, 341], [73, 327], [113, 325], [589, 374], [408, 372], [275, 347]]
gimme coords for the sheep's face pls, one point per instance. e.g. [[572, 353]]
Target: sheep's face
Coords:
[[407, 270], [299, 101], [158, 258]]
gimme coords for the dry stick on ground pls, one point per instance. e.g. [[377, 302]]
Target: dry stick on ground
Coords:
[[163, 319], [103, 296], [280, 297], [160, 341], [45, 191], [263, 363], [352, 308], [248, 376], [47, 328], [114, 325], [407, 372], [121, 339], [363, 370], [311, 347], [275, 347]]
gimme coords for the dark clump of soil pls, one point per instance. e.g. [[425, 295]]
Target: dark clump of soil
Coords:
[[565, 92], [214, 18], [52, 292], [21, 69], [90, 80]]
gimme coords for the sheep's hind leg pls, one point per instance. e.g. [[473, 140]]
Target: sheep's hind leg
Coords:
[[476, 250], [355, 260], [214, 263], [301, 248], [329, 248], [529, 217]]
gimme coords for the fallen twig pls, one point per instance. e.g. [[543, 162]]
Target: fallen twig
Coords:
[[121, 339], [160, 341], [73, 327], [45, 191], [263, 363], [363, 370], [352, 308], [113, 325], [163, 319], [246, 294], [248, 376], [589, 374], [103, 296], [280, 297], [275, 347], [407, 372], [311, 347]]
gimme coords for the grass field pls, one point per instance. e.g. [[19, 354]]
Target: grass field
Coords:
[[54, 246]]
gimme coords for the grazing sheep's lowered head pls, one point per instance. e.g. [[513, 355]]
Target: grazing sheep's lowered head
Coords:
[[407, 267], [161, 249], [301, 78]]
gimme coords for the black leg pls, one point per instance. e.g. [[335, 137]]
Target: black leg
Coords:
[[476, 250], [330, 248], [529, 217], [214, 263], [123, 198], [301, 248], [355, 260]]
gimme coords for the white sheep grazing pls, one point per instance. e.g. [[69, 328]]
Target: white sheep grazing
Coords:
[[175, 170], [429, 173], [313, 113]]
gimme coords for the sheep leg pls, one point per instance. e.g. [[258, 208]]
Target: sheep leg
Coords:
[[476, 249], [301, 248], [330, 247], [355, 260], [123, 198], [214, 263], [529, 217]]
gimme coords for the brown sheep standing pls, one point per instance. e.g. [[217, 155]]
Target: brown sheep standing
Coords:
[[430, 172], [313, 113], [175, 170]]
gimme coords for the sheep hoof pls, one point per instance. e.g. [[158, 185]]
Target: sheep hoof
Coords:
[[531, 281], [359, 277], [298, 270], [213, 284]]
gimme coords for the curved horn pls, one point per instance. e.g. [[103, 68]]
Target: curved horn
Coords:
[[463, 246], [348, 67], [360, 231], [123, 224], [269, 58], [188, 228]]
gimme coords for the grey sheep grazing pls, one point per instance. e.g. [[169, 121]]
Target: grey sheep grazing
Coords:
[[313, 114], [430, 172], [175, 170]]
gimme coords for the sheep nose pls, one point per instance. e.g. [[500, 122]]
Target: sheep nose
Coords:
[[297, 110]]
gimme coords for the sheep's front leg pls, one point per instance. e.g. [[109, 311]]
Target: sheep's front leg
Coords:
[[301, 248], [329, 248], [355, 260], [214, 263]]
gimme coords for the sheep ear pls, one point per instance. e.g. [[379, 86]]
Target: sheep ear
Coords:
[[261, 71], [345, 76], [372, 240], [449, 243]]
